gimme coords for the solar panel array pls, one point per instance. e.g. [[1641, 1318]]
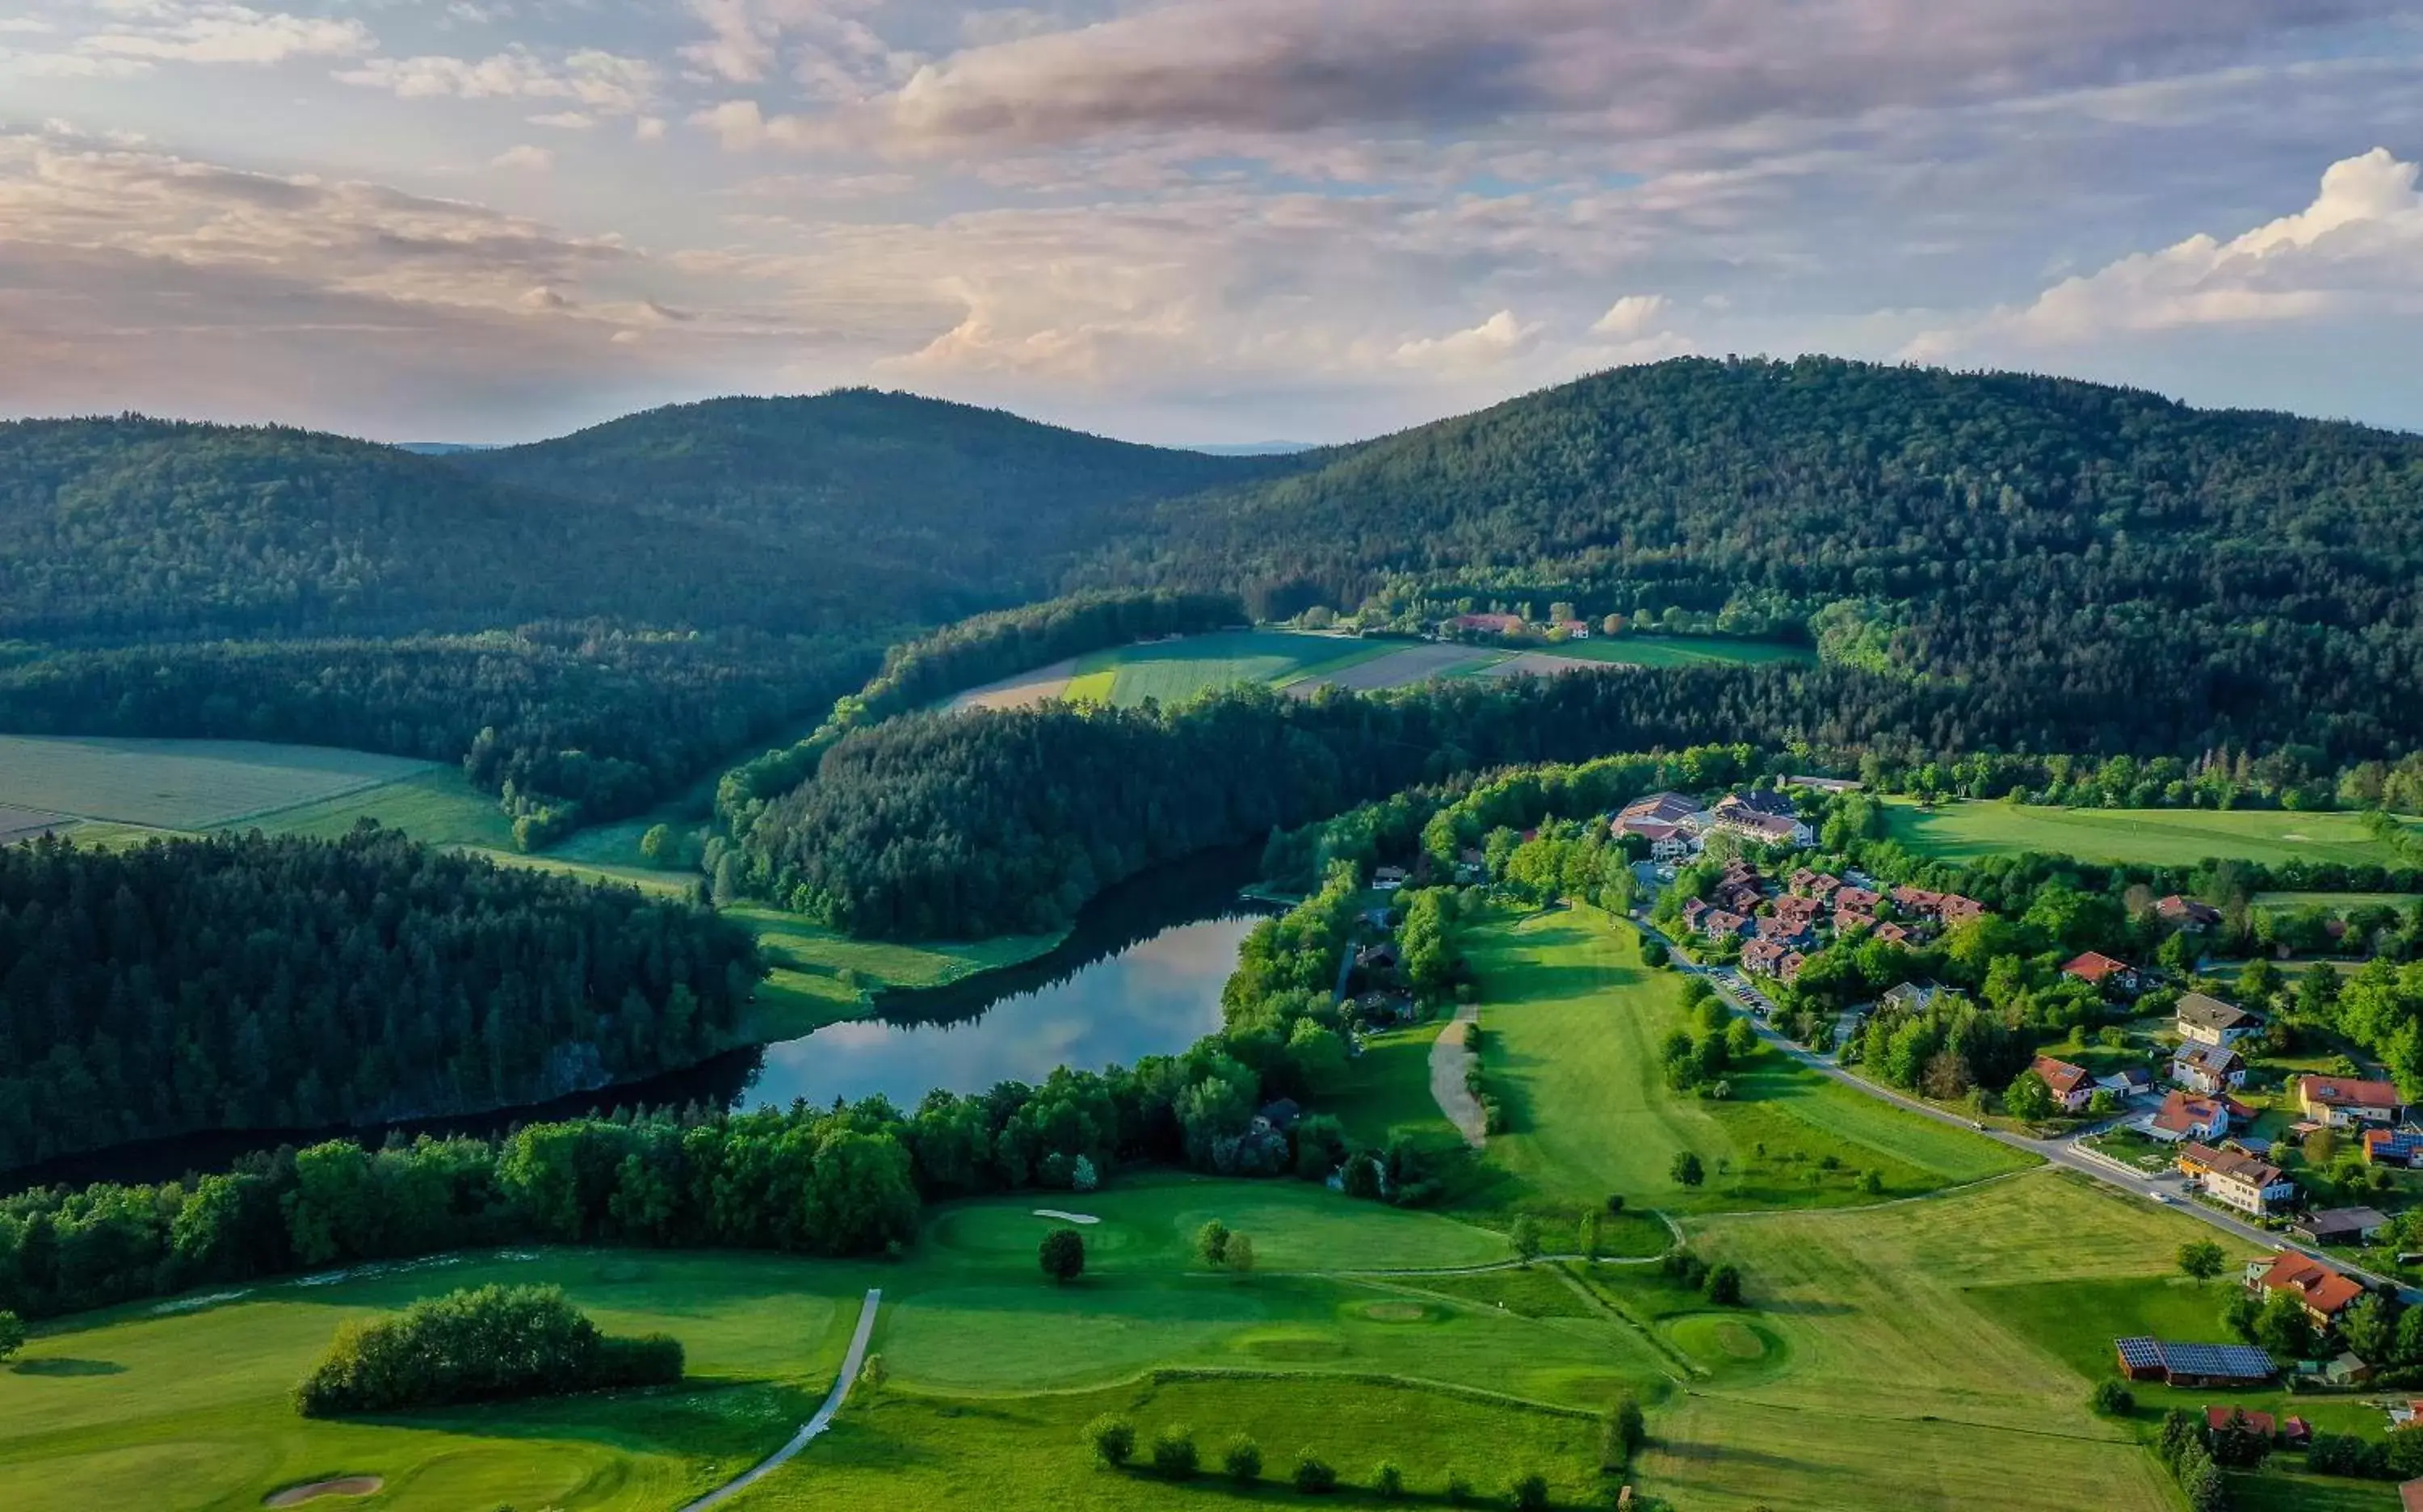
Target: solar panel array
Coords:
[[2211, 1361]]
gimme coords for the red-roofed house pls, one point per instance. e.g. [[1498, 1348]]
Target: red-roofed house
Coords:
[[2186, 914], [2099, 970], [2239, 1179], [2325, 1293], [2071, 1085], [2182, 1117], [2345, 1105], [2219, 1418]]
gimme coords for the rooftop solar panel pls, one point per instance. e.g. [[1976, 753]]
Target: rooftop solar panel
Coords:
[[2235, 1361]]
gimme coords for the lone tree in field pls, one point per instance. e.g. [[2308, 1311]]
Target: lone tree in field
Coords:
[[1241, 1255], [12, 1334], [2203, 1259], [1112, 1438], [1623, 1435], [1687, 1170], [1211, 1244], [1062, 1254]]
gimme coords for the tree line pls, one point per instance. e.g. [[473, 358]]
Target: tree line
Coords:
[[248, 981]]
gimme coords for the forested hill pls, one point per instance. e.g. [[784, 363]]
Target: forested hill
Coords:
[[139, 528], [996, 503], [2100, 540]]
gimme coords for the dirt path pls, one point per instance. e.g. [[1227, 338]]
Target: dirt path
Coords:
[[1447, 1060], [814, 1425]]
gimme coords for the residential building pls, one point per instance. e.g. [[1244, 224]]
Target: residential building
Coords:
[[1892, 934], [1858, 899], [2220, 1419], [2344, 1104], [1695, 913], [2235, 1179], [1721, 924], [1789, 967], [1657, 808], [2325, 1292], [1764, 957], [1488, 624], [1388, 879], [1766, 829], [1847, 919], [1911, 996], [2392, 1147], [2102, 971], [2182, 1117], [2187, 913], [2207, 1068], [2203, 1020], [2130, 1081], [2340, 1225], [2072, 1086], [1759, 801], [1819, 884]]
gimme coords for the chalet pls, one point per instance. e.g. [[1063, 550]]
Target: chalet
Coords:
[[1695, 913], [2187, 913], [1388, 879], [1817, 885], [2339, 1225], [1946, 909], [1788, 931], [1858, 899], [2072, 1086], [2207, 1068], [2343, 1104], [2202, 1020], [1847, 919], [1380, 957], [2223, 1419], [2182, 1117], [2392, 1147], [1723, 924], [1764, 957], [2238, 1180], [1891, 934], [2193, 1364], [1911, 996], [2325, 1292], [1740, 896], [1789, 967], [1759, 801], [2102, 972], [1798, 911]]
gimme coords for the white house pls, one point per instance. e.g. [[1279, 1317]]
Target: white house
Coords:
[[2207, 1068], [2236, 1180], [2203, 1020]]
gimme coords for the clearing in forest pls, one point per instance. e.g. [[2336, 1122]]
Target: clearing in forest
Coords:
[[1964, 831], [182, 785]]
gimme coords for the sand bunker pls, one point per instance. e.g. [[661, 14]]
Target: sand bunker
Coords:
[[341, 1485], [1066, 1217], [1025, 691]]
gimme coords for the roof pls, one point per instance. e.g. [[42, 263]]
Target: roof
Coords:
[[2410, 1496], [2182, 1114], [2218, 1059], [2325, 1290], [1762, 801], [2234, 1165], [2205, 1013], [2218, 1418], [2339, 1091], [1661, 809], [2094, 966], [2212, 1362], [2343, 1220], [2063, 1078], [1777, 826], [2179, 909]]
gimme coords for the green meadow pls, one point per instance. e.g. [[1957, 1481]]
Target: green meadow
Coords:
[[1964, 831], [182, 785], [1171, 672], [1680, 651]]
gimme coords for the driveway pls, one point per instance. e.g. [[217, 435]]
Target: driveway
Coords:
[[814, 1425]]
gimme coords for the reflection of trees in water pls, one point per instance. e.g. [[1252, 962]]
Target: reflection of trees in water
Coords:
[[1123, 918], [1128, 915]]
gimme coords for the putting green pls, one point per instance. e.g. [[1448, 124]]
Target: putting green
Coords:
[[1717, 1339]]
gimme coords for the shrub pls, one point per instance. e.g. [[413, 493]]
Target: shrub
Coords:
[[492, 1343], [2114, 1400], [1525, 1237], [1242, 1461], [1211, 1244], [1687, 1171], [1530, 1493], [1388, 1481], [1313, 1475], [1112, 1438], [1459, 1492], [13, 1334], [1614, 1204], [1626, 1432], [1062, 1255], [1723, 1285], [1173, 1453]]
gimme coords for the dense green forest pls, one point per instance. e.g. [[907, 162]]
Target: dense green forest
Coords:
[[236, 982], [994, 506], [588, 714], [970, 654], [2219, 576]]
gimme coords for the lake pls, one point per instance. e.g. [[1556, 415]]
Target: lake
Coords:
[[1139, 975]]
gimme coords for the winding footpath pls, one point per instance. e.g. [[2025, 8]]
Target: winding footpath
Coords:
[[1448, 1060], [814, 1425]]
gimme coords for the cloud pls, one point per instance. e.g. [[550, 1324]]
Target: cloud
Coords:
[[834, 53], [1632, 316], [564, 121], [598, 81], [1615, 71], [2356, 251], [213, 33], [1495, 341], [524, 158], [648, 129]]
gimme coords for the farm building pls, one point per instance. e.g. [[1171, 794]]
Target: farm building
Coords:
[[2339, 1225], [2193, 1364]]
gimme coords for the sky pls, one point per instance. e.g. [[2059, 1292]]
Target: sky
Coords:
[[1188, 221]]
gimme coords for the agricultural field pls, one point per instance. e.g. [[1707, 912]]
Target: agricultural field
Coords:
[[1964, 831], [1682, 651], [2341, 904], [437, 806], [182, 785], [1170, 672], [1572, 1021]]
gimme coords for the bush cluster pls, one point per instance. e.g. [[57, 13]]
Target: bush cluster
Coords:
[[492, 1344]]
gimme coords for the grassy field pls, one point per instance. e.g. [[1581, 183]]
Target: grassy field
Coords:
[[1680, 651], [1574, 1021], [2150, 836], [821, 977], [1173, 671], [182, 785], [2335, 902], [438, 806]]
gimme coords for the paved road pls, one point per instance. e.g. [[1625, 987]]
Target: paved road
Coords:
[[814, 1425], [2063, 1150]]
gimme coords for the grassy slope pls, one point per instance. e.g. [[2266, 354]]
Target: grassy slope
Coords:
[[807, 990], [1573, 1022], [2151, 837], [437, 806], [1172, 670], [182, 784], [1680, 651]]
